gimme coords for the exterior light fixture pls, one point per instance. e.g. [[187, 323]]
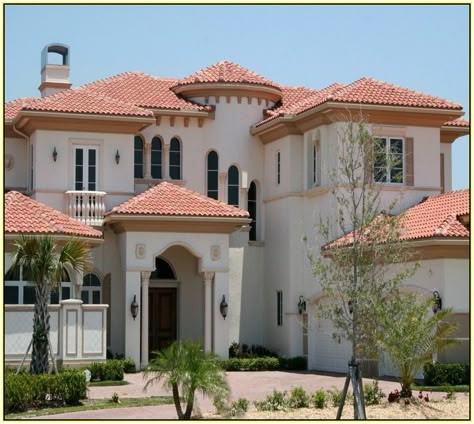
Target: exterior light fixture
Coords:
[[350, 306], [224, 307], [437, 303], [134, 307], [55, 154], [117, 157], [301, 305]]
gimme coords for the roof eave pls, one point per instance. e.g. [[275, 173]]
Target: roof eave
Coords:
[[113, 217]]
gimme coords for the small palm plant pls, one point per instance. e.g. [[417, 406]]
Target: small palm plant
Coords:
[[185, 368], [46, 264], [411, 334]]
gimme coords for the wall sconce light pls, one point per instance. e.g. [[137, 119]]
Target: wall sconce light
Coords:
[[117, 157], [55, 154], [301, 305], [350, 306], [224, 307], [437, 303], [134, 307]]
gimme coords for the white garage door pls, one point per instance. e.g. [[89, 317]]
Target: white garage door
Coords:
[[328, 354]]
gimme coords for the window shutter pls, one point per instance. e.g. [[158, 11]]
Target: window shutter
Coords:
[[409, 161]]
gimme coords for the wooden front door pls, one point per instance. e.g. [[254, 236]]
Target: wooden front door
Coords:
[[162, 318]]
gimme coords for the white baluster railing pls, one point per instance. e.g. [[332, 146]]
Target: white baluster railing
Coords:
[[87, 207]]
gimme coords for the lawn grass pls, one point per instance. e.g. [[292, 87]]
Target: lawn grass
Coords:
[[93, 404], [108, 383], [447, 388]]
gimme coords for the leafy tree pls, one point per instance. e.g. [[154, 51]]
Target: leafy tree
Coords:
[[184, 367], [46, 264], [410, 334], [358, 266]]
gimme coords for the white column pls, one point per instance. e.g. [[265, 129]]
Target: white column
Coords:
[[165, 162], [221, 325], [77, 285], [223, 186], [145, 279], [207, 278], [132, 326], [147, 159]]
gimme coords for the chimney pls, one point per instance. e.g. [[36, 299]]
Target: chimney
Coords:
[[54, 77]]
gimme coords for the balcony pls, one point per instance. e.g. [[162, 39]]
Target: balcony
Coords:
[[87, 207]]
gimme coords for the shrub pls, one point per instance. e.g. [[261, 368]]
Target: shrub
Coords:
[[250, 364], [298, 398], [335, 395], [373, 394], [440, 374], [111, 369], [24, 391], [234, 350], [275, 402], [238, 407], [129, 365], [296, 363], [394, 396], [319, 399]]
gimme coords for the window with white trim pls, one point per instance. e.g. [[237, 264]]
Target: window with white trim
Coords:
[[316, 162], [18, 291], [233, 186], [388, 159], [213, 175], [91, 292], [175, 159], [139, 145], [156, 157]]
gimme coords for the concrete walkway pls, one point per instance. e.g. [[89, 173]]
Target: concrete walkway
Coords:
[[249, 385]]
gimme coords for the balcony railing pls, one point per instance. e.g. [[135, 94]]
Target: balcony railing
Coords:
[[87, 207]]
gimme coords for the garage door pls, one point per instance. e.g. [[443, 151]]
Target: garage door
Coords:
[[327, 353]]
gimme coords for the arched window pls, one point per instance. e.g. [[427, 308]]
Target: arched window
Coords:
[[163, 270], [212, 175], [138, 150], [233, 186], [175, 159], [252, 208], [156, 157], [91, 292]]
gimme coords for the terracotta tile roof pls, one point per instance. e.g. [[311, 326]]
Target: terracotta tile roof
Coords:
[[26, 215], [143, 90], [457, 123], [13, 107], [80, 100], [435, 216], [227, 72], [170, 199]]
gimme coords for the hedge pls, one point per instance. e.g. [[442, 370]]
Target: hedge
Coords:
[[440, 374], [265, 363], [24, 391], [112, 369]]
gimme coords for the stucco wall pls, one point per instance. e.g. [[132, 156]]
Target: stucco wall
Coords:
[[16, 175]]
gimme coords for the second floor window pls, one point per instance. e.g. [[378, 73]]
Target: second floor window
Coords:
[[388, 160], [252, 208], [278, 167], [213, 175], [316, 163], [175, 159], [156, 157], [138, 157], [233, 186]]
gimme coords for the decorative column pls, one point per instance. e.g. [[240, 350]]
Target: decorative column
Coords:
[[145, 280], [77, 285], [147, 158], [243, 198], [165, 161], [207, 278], [222, 186], [132, 325]]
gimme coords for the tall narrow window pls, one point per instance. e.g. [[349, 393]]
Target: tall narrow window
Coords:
[[278, 167], [175, 159], [212, 175], [252, 208], [31, 168], [316, 163], [156, 157], [279, 308], [233, 186], [85, 164], [91, 292], [138, 149], [388, 160]]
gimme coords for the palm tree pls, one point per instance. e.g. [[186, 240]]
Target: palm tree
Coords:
[[411, 334], [185, 367], [46, 264]]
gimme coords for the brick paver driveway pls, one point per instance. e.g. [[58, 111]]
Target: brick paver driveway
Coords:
[[250, 385]]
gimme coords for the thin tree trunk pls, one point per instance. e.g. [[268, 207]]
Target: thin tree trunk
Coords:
[[40, 352], [189, 408], [177, 402]]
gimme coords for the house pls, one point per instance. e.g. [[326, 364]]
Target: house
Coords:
[[202, 189]]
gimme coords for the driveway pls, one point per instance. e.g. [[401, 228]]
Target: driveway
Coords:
[[250, 385]]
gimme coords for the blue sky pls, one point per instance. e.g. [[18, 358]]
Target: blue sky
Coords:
[[421, 47]]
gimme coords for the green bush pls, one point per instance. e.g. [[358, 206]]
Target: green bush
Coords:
[[298, 398], [336, 395], [275, 402], [295, 364], [25, 391], [440, 374], [319, 399], [373, 394], [250, 364], [129, 365], [111, 369]]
